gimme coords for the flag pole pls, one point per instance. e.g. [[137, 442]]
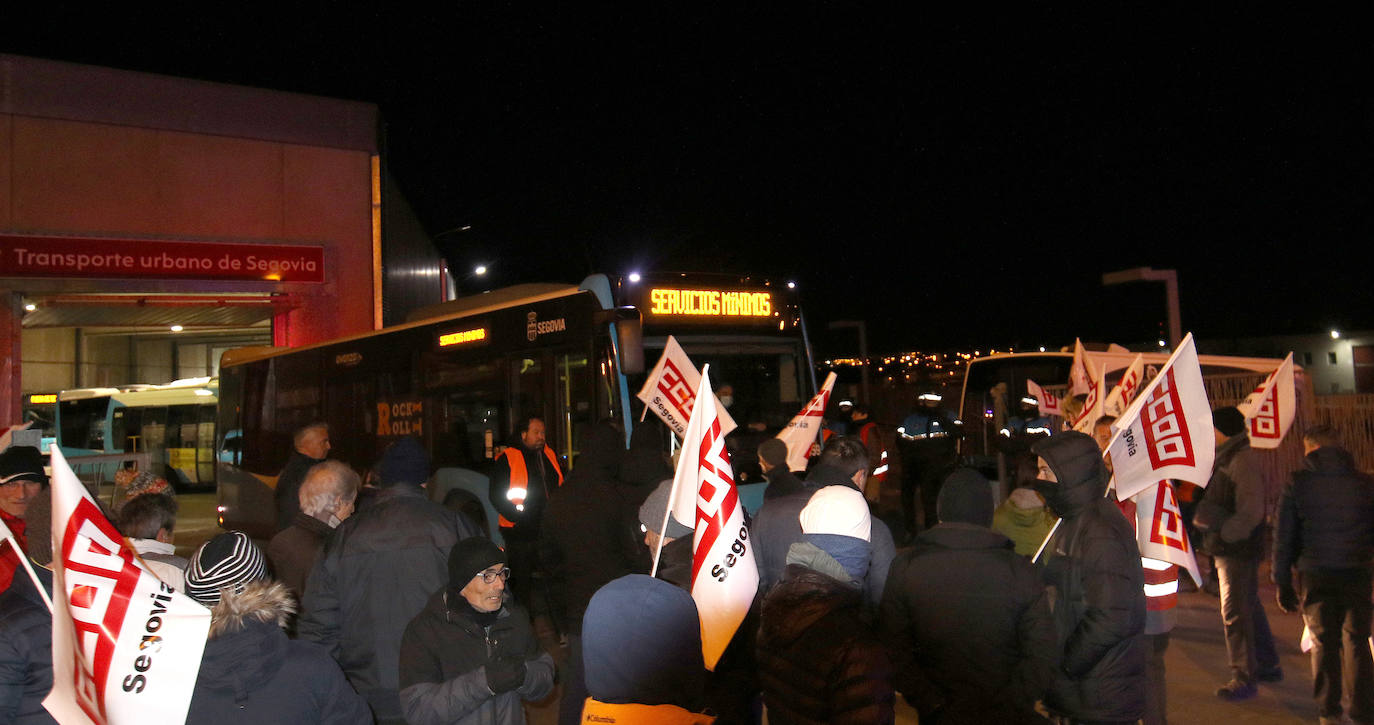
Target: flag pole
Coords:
[[1047, 540], [24, 559], [672, 491]]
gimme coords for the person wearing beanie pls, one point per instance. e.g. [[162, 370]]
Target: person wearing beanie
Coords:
[[1093, 562], [818, 659], [21, 480], [1231, 519], [642, 658], [471, 656], [773, 463], [375, 574], [586, 540], [675, 561], [965, 618], [1024, 519], [250, 671]]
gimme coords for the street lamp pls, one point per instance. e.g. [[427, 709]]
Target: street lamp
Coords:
[[863, 349], [1149, 274]]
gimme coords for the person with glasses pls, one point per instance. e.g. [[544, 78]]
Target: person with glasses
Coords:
[[471, 655]]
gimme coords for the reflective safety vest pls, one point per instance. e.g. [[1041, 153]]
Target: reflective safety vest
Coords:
[[519, 487], [1161, 584], [595, 711], [880, 466]]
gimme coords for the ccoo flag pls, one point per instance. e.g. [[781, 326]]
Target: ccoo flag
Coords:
[[724, 575], [1167, 431], [671, 388], [126, 648], [1159, 528], [1044, 399], [1094, 405], [1080, 376], [1269, 410], [1124, 392], [805, 426]]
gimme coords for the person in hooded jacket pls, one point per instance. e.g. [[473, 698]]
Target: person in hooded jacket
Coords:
[[1024, 519], [642, 658], [1092, 563], [586, 540], [25, 650], [818, 659], [471, 656], [250, 671], [965, 618]]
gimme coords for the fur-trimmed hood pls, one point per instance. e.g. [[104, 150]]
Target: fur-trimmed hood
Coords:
[[260, 601]]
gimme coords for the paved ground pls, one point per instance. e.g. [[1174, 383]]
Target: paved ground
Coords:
[[1196, 660]]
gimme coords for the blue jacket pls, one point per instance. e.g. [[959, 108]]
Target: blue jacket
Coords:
[[25, 651]]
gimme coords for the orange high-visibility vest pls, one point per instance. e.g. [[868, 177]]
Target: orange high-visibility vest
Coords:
[[880, 466], [518, 489]]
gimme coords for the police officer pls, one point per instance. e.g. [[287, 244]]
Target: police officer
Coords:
[[926, 439]]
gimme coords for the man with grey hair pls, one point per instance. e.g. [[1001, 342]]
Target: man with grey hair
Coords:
[[311, 445], [326, 499], [149, 521]]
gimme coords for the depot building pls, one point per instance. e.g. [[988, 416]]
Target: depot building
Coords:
[[149, 223]]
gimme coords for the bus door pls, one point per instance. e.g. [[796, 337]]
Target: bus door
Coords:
[[466, 409], [531, 375]]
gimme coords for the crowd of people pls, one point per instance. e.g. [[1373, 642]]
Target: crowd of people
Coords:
[[374, 603]]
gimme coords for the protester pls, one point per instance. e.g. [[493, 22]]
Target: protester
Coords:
[[1231, 517], [251, 672], [376, 574], [773, 463], [645, 464], [843, 462], [25, 651], [818, 660], [1326, 531], [675, 560], [21, 479], [310, 445], [642, 660], [868, 433], [965, 619], [1093, 563], [523, 480], [142, 484], [586, 541], [1024, 519], [326, 500], [471, 656], [148, 521]]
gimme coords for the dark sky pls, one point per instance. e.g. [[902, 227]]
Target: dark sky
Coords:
[[953, 181]]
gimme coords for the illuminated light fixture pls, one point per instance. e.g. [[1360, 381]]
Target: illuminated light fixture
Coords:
[[634, 277], [1162, 343], [480, 270], [1042, 348], [30, 307], [1335, 334], [177, 328], [782, 325], [791, 285]]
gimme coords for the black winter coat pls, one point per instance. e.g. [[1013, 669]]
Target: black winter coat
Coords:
[[443, 665], [817, 660], [251, 672], [288, 491], [1326, 517], [371, 579], [967, 624], [25, 651], [1092, 566]]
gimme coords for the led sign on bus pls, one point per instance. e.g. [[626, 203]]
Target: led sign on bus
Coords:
[[710, 303], [43, 399], [463, 337]]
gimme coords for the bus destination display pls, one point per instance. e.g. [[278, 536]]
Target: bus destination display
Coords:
[[709, 303]]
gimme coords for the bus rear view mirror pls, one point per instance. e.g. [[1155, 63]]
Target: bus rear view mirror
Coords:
[[629, 340]]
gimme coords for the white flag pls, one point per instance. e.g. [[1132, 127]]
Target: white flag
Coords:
[[1269, 410], [1124, 392], [126, 648], [805, 427], [1167, 431], [1080, 377], [670, 390], [1044, 399], [724, 575], [1160, 531], [1094, 406]]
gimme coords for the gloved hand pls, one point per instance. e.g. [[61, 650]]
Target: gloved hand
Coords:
[[505, 673], [1288, 599]]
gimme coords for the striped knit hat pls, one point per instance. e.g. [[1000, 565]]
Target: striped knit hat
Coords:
[[228, 560]]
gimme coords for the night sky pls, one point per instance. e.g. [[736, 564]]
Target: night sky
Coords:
[[956, 182]]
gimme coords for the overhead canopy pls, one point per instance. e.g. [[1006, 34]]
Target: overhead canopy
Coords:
[[132, 310]]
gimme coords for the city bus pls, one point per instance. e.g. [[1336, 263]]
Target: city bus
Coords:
[[461, 375], [173, 423], [40, 410]]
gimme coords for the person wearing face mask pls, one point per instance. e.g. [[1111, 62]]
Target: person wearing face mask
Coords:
[[326, 498], [470, 656]]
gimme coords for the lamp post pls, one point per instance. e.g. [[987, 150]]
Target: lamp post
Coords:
[[863, 350], [1149, 274]]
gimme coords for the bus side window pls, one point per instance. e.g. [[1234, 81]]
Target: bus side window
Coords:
[[573, 400]]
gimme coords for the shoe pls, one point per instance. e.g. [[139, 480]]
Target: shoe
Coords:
[[1270, 674], [1235, 691]]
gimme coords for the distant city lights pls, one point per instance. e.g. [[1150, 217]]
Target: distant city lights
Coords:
[[1162, 343], [791, 285]]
